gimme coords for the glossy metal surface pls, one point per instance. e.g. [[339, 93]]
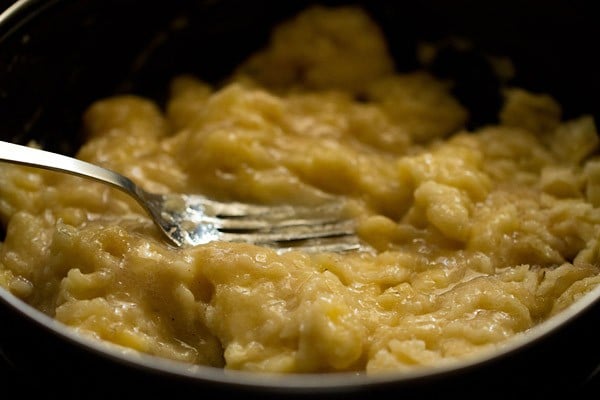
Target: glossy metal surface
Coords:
[[191, 220]]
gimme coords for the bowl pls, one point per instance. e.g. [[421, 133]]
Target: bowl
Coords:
[[58, 56]]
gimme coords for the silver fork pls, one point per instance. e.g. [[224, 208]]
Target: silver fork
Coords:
[[190, 220]]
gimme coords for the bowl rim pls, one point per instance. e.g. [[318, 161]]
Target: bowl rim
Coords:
[[297, 381], [19, 13]]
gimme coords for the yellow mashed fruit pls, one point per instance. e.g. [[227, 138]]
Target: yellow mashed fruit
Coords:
[[471, 237]]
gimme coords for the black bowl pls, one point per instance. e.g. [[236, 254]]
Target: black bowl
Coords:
[[58, 56]]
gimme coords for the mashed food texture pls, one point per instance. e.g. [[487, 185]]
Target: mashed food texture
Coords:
[[471, 237]]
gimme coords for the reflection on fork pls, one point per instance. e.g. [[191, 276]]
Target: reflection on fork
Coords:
[[190, 220]]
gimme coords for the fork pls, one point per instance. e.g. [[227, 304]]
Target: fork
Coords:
[[189, 219]]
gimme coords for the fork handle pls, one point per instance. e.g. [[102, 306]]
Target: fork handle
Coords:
[[32, 157]]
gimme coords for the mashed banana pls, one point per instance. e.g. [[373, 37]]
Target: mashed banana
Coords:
[[475, 236]]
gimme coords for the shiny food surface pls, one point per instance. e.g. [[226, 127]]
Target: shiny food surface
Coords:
[[476, 236]]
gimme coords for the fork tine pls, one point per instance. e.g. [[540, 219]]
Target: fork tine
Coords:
[[284, 233], [317, 245], [270, 212], [255, 224], [193, 219]]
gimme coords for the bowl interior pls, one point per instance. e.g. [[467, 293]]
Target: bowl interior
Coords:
[[58, 56]]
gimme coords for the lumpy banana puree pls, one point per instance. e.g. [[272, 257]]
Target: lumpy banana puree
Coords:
[[471, 237]]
